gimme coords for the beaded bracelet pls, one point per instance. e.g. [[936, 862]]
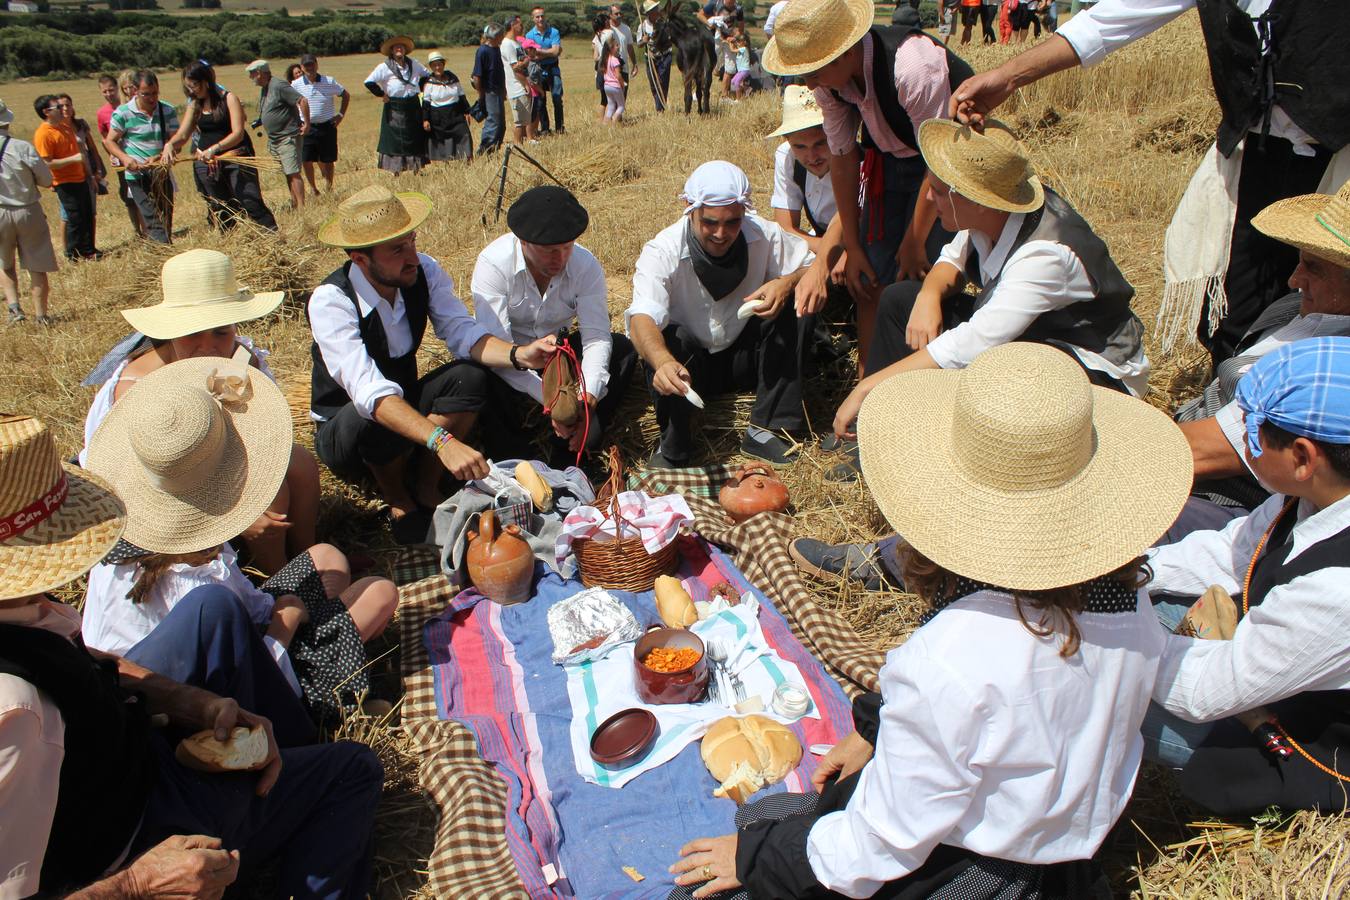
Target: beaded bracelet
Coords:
[[439, 438]]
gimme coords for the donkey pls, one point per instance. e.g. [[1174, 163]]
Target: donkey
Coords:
[[692, 44]]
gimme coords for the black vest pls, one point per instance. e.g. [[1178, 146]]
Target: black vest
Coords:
[[107, 770], [326, 395], [1105, 325], [1229, 774], [886, 40], [1305, 68], [799, 173]]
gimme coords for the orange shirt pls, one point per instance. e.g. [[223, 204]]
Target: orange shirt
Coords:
[[57, 143]]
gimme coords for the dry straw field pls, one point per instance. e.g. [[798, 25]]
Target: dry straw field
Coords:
[[1119, 141]]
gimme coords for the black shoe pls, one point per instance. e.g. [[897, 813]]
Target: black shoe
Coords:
[[768, 447], [855, 562], [658, 460], [831, 442]]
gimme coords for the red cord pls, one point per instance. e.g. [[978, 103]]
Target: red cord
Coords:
[[565, 349], [872, 186]]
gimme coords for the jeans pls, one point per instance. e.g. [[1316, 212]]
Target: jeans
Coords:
[[78, 206], [554, 85], [153, 193], [491, 136], [320, 816]]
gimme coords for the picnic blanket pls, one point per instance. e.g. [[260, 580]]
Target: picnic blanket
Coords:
[[470, 857]]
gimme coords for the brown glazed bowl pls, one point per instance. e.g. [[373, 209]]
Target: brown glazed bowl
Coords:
[[685, 686], [623, 737]]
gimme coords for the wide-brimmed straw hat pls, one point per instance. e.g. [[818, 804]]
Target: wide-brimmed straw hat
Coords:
[[1017, 472], [1314, 223], [409, 45], [649, 5], [800, 111], [435, 56], [56, 520], [199, 293], [809, 34], [374, 215], [197, 450], [990, 168]]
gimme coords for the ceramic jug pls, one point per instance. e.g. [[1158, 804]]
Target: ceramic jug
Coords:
[[753, 489], [500, 563]]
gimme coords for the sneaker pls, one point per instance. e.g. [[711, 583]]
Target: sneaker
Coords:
[[763, 444], [658, 460], [854, 562]]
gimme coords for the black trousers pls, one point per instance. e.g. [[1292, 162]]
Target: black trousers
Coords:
[[987, 16], [897, 302], [349, 444], [232, 193], [768, 357], [512, 421], [1258, 266], [79, 208], [658, 77]]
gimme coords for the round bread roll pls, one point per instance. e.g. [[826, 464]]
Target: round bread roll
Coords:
[[245, 751], [673, 603], [749, 753]]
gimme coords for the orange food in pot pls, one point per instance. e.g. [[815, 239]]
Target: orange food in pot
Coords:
[[671, 659]]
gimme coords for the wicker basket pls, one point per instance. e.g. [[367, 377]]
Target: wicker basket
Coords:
[[622, 564]]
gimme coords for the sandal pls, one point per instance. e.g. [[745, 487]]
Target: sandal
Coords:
[[45, 320], [16, 313]]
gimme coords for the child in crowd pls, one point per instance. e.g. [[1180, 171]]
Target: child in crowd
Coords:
[[615, 78], [1005, 741], [197, 450], [740, 82]]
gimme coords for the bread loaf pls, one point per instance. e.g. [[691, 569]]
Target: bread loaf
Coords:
[[673, 603], [540, 493], [748, 754], [245, 750]]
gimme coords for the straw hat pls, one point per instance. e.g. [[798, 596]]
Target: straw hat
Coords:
[[374, 215], [1017, 472], [199, 293], [1315, 223], [56, 520], [197, 449], [809, 34], [800, 111], [648, 6], [435, 56], [990, 168], [387, 47]]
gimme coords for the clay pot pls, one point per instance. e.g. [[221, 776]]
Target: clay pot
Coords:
[[753, 489], [500, 563], [685, 686]]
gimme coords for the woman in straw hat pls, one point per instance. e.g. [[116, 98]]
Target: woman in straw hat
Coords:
[[1043, 275], [198, 450], [825, 42], [216, 116], [200, 307], [396, 81], [445, 113], [1005, 740], [94, 797]]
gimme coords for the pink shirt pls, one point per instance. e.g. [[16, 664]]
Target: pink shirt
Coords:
[[105, 118], [32, 747], [612, 77], [920, 85]]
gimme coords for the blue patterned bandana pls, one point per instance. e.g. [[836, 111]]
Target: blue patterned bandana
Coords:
[[1303, 387]]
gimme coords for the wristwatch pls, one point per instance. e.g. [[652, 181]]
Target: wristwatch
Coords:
[[515, 364]]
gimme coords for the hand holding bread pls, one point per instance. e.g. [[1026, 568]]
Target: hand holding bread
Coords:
[[246, 750]]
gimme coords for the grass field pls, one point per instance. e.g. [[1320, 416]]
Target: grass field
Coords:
[[1119, 141]]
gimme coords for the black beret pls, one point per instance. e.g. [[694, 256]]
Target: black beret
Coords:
[[547, 215]]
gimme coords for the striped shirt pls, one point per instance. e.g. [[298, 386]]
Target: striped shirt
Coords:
[[321, 96], [144, 134]]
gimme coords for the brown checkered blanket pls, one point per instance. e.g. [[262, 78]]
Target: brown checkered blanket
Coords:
[[470, 858]]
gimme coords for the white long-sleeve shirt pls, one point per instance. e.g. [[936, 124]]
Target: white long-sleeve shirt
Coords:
[[395, 87], [991, 741], [507, 302], [818, 196], [1111, 24], [1036, 278], [1297, 639], [666, 288], [336, 325]]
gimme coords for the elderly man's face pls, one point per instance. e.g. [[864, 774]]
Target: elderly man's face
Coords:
[[717, 227], [614, 13], [311, 69], [547, 260], [810, 148], [392, 264], [260, 77], [1325, 285]]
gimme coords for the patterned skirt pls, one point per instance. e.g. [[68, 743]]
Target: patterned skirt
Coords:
[[327, 653]]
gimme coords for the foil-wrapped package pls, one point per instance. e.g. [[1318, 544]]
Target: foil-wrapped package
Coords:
[[588, 625]]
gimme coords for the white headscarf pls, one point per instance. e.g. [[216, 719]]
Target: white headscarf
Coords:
[[716, 183]]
